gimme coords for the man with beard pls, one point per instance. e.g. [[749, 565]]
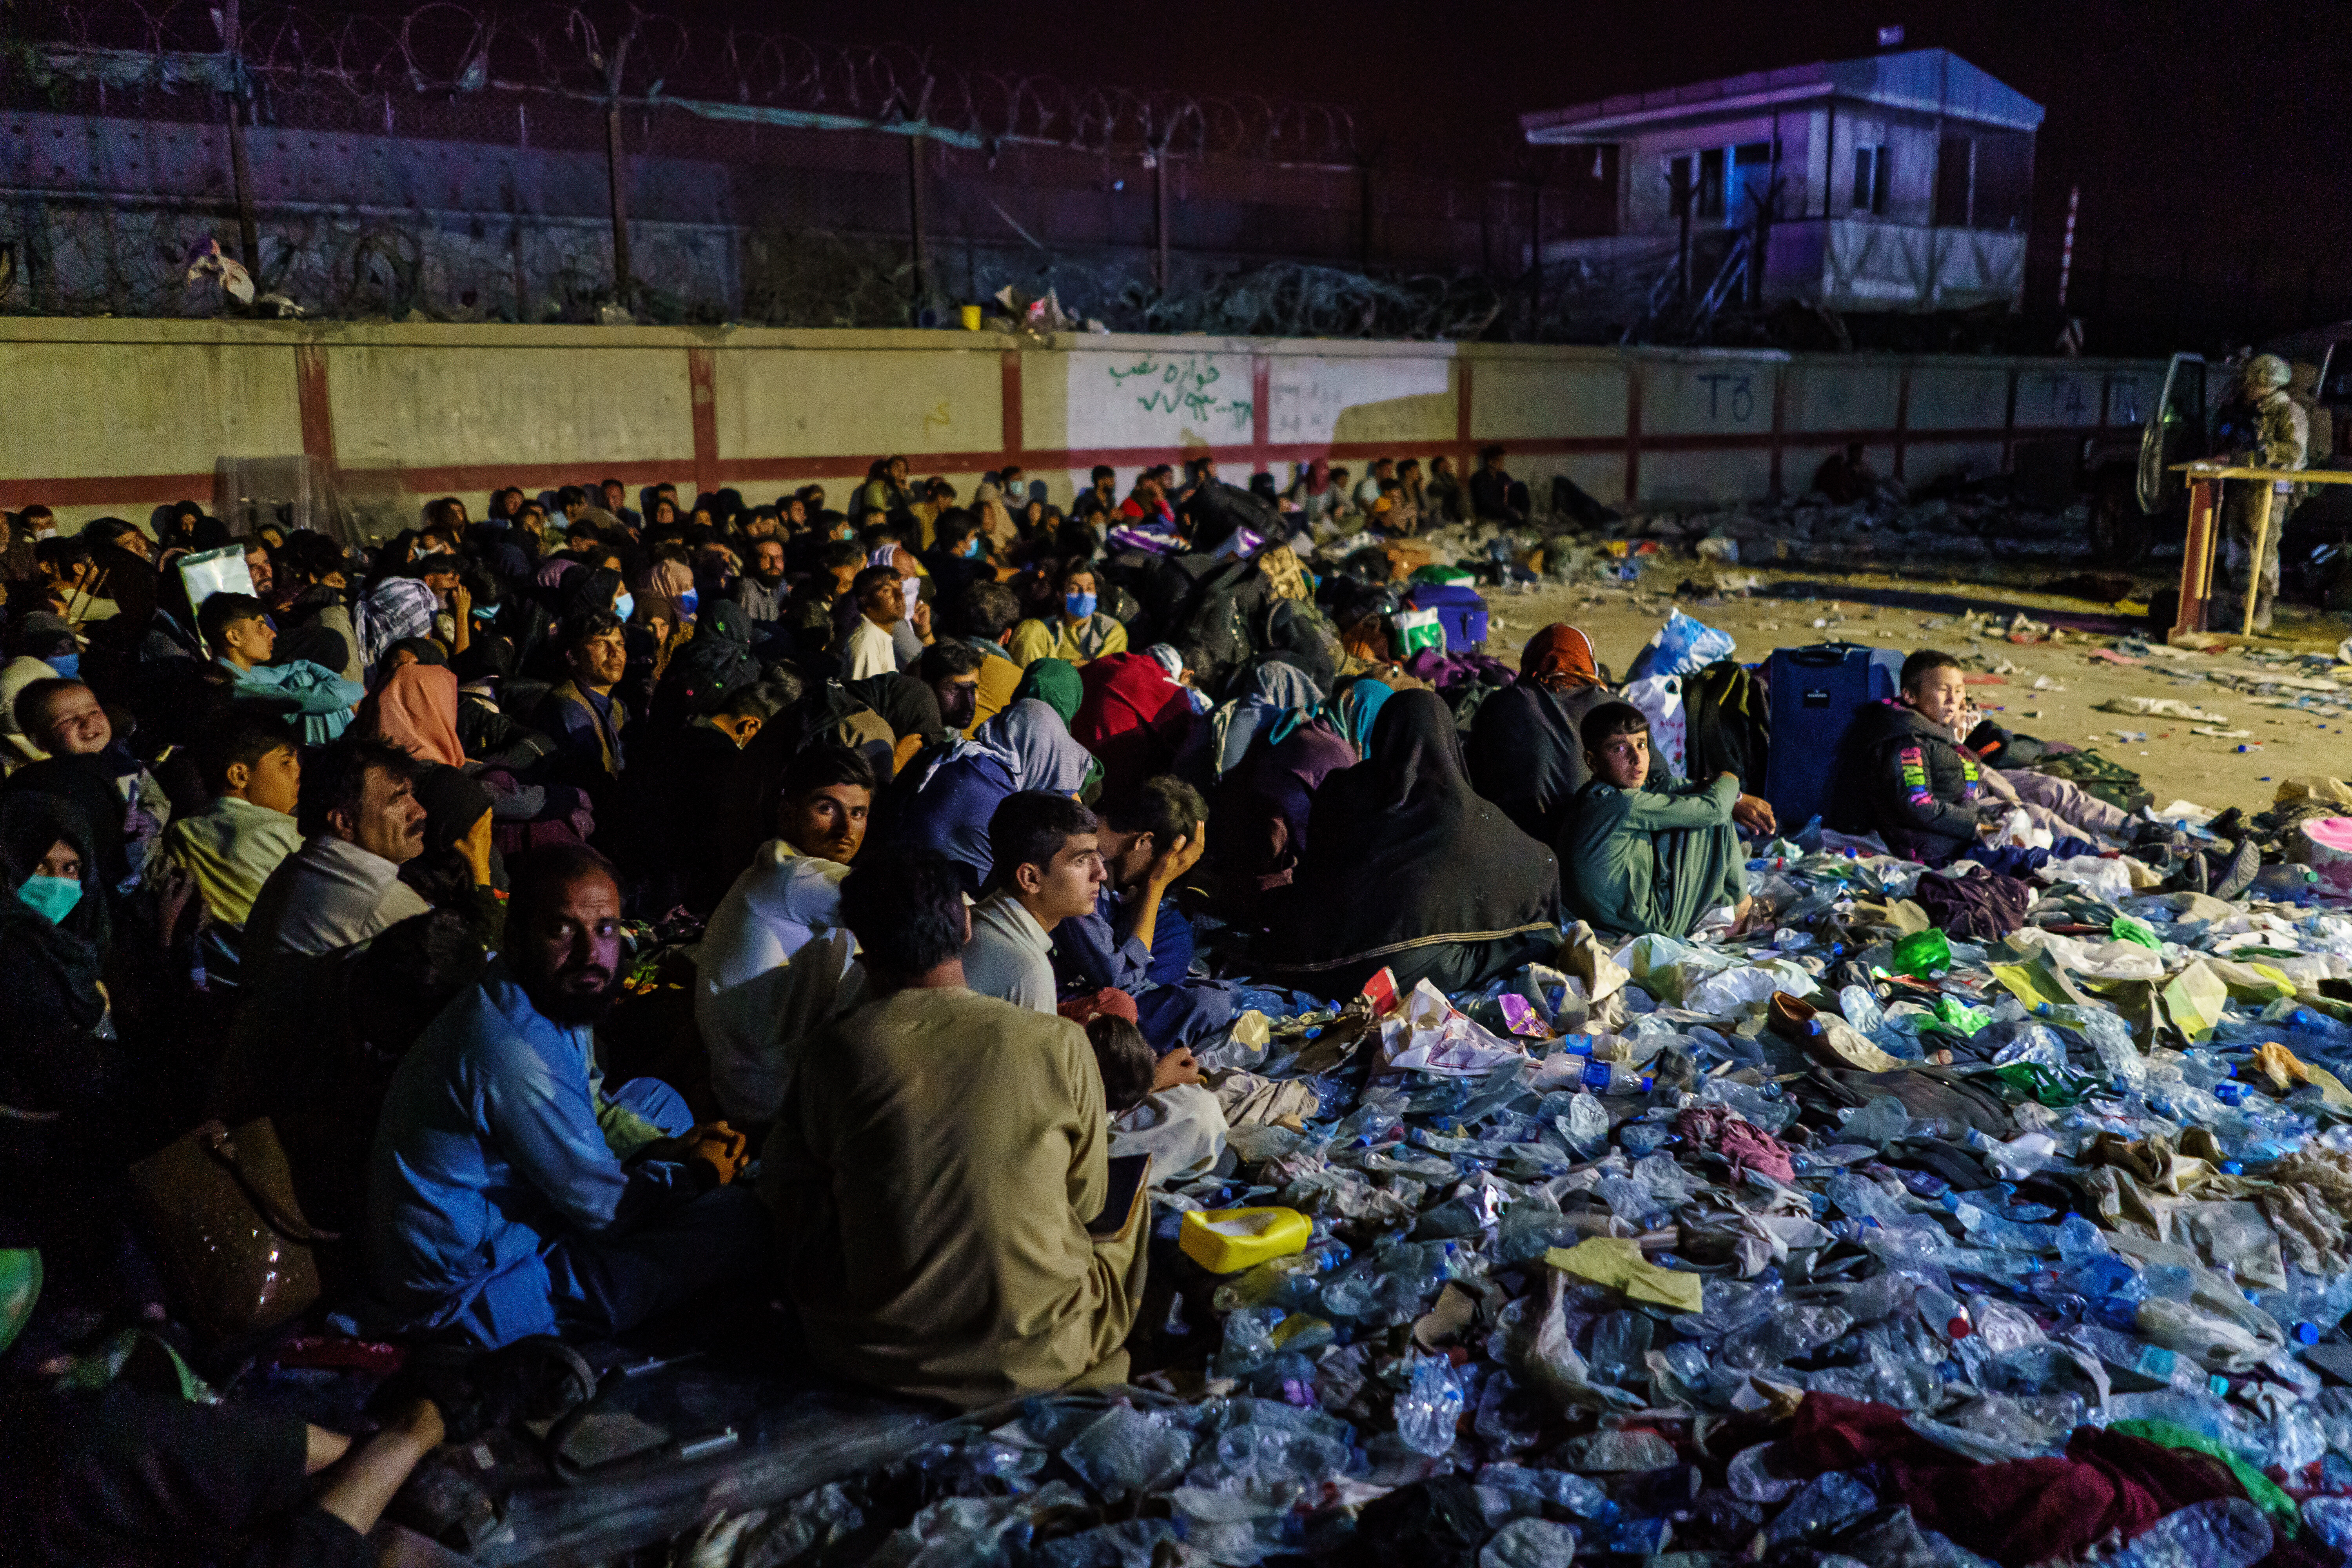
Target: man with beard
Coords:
[[762, 591], [509, 1194]]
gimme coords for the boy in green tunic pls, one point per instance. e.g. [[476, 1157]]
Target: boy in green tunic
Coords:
[[1645, 854]]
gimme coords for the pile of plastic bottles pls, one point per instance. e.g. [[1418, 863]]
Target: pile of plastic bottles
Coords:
[[1575, 1304]]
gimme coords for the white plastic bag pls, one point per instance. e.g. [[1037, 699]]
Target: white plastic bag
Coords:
[[1660, 699]]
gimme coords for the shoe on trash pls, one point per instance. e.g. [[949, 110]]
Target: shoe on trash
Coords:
[[1827, 1038], [2235, 871]]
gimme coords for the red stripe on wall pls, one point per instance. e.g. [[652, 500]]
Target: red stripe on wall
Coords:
[[701, 378], [1015, 439], [158, 487], [126, 489], [317, 405]]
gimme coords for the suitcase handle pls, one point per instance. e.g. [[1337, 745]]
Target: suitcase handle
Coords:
[[1826, 654]]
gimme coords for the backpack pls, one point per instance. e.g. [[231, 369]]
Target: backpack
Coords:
[[1728, 721], [2110, 781], [1225, 618]]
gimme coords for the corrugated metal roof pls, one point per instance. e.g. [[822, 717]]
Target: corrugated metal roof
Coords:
[[1932, 80]]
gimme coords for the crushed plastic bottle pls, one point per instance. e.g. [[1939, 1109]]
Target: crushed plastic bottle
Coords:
[[2227, 1532], [1428, 1408]]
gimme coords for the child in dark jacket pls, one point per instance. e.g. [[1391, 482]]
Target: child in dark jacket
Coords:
[[1910, 781]]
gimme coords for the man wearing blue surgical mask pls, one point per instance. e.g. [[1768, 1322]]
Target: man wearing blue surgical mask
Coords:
[[1081, 633]]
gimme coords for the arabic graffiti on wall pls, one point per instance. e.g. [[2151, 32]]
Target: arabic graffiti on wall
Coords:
[[1191, 386]]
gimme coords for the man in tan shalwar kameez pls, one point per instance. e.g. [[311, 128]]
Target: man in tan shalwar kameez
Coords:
[[934, 1166]]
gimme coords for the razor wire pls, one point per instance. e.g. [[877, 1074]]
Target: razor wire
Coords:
[[293, 63]]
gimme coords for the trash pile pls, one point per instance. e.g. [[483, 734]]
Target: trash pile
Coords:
[[1843, 1241], [1888, 531]]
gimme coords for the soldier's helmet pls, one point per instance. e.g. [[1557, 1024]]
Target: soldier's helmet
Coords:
[[2266, 371]]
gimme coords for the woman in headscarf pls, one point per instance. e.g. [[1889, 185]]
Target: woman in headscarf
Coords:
[[670, 585], [415, 708], [1407, 868], [1526, 755], [1278, 698], [1357, 708], [946, 801], [1134, 714], [64, 1111], [1055, 683]]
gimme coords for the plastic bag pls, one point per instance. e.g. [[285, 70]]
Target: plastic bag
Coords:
[[1660, 699], [1416, 630], [1682, 647]]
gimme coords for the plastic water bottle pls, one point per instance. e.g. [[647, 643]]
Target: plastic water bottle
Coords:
[[2225, 1533], [1427, 1407], [1615, 1077]]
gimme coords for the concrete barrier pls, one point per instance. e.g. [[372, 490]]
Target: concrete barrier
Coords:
[[114, 416]]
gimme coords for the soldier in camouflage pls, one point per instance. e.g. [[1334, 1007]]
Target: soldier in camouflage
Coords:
[[2281, 438]]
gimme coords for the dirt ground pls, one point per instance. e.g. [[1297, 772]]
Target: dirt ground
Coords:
[[1791, 609]]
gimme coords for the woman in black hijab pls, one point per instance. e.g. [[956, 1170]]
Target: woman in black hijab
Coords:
[[1406, 866]]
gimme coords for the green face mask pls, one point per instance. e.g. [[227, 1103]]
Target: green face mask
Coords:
[[52, 898]]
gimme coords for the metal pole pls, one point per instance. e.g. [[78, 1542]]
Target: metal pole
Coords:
[[2066, 251], [1159, 220], [240, 157], [915, 213]]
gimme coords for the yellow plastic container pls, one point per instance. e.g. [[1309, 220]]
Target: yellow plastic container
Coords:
[[970, 314], [1225, 1241]]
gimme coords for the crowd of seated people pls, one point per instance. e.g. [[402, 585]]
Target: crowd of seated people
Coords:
[[919, 794]]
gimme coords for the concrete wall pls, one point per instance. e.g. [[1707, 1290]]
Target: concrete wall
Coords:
[[116, 417]]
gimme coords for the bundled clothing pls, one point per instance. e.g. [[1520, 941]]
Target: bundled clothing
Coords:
[[395, 608], [1526, 748], [1656, 858], [319, 700], [934, 1169], [1407, 867], [1905, 779]]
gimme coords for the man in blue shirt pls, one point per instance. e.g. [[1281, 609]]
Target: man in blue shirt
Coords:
[[507, 1194]]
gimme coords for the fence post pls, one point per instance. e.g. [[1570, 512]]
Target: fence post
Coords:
[[617, 167], [1159, 223], [915, 218], [240, 157]]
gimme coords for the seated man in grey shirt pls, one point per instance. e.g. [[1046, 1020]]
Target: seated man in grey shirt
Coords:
[[1045, 869]]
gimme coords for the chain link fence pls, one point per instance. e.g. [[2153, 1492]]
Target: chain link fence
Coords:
[[454, 163]]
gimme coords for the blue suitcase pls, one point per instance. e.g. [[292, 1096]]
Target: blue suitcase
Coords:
[[1461, 611], [1815, 693]]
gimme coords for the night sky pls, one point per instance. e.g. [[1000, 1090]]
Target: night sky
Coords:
[[2217, 130]]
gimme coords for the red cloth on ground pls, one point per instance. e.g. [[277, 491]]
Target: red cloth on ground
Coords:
[[2020, 1513], [1742, 1143], [1132, 717]]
